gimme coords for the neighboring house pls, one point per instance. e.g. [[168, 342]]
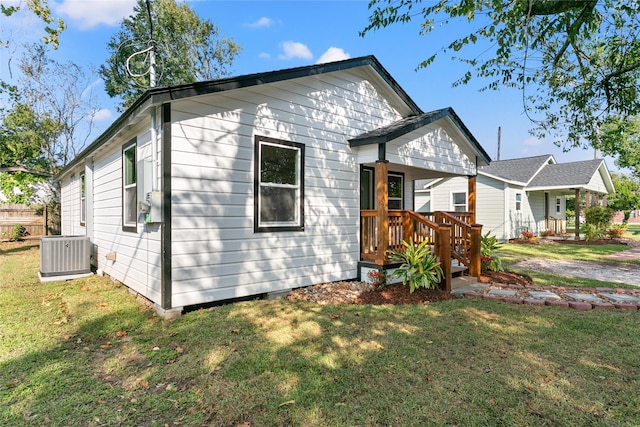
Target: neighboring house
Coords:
[[255, 184], [634, 217], [516, 195]]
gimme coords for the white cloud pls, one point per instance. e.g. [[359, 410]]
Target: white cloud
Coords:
[[333, 54], [87, 14], [101, 115], [532, 142], [294, 50], [263, 22], [264, 55]]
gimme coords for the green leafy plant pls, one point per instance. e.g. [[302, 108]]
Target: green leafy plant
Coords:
[[489, 260], [18, 233], [598, 219], [419, 268]]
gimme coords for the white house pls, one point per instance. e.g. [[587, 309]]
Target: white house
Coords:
[[254, 184], [516, 195]]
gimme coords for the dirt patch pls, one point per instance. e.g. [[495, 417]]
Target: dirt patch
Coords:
[[353, 292]]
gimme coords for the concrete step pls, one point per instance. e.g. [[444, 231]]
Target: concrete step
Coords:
[[462, 281]]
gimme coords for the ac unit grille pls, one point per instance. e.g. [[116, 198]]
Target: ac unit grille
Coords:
[[64, 255]]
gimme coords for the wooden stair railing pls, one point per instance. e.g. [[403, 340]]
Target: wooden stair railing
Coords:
[[465, 239]]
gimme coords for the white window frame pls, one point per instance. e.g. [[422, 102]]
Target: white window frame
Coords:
[[453, 204], [83, 200], [297, 224], [518, 202], [129, 189], [558, 205]]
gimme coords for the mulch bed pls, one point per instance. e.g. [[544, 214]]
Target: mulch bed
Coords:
[[352, 292]]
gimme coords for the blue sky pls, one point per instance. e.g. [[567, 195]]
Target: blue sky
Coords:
[[283, 34]]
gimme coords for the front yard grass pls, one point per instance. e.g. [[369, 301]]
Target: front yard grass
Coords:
[[85, 352]]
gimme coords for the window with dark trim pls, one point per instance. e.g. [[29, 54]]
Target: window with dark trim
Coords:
[[83, 201], [278, 185], [129, 188], [558, 205], [396, 190]]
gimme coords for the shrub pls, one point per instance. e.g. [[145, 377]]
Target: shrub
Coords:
[[547, 233], [489, 260], [598, 219], [616, 232], [591, 232], [528, 235], [18, 233], [419, 267]]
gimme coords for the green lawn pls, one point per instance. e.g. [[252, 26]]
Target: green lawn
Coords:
[[633, 231], [86, 353]]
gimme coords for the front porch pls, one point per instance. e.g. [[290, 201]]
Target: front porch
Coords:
[[452, 239]]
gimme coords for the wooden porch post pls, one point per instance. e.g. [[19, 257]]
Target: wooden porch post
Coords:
[[587, 200], [444, 254], [471, 196], [577, 210], [475, 267], [382, 211]]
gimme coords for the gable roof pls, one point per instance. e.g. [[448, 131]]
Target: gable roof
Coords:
[[157, 96], [520, 171], [409, 124], [571, 175]]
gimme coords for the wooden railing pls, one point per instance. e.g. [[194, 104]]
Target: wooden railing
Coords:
[[554, 224], [449, 236]]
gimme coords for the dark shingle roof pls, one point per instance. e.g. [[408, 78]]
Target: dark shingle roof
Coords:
[[519, 170], [574, 174]]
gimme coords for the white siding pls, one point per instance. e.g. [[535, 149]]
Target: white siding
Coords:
[[137, 263], [441, 194], [70, 206], [596, 184], [422, 201], [431, 148], [490, 206], [216, 254]]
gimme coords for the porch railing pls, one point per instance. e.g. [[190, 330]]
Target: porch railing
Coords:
[[449, 237]]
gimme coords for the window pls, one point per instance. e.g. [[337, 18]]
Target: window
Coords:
[[279, 185], [129, 188], [83, 201], [367, 185], [459, 202], [396, 191], [518, 201], [558, 205]]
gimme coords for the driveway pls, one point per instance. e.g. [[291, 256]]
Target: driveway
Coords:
[[605, 271]]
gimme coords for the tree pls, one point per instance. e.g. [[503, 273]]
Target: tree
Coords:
[[48, 115], [627, 195], [24, 138], [188, 50], [62, 93], [621, 137], [576, 61], [54, 26]]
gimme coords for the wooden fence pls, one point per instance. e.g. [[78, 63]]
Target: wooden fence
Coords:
[[43, 222]]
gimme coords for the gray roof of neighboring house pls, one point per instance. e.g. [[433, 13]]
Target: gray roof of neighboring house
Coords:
[[421, 184], [519, 170], [566, 174]]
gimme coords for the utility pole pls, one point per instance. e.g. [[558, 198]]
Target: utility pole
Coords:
[[499, 132]]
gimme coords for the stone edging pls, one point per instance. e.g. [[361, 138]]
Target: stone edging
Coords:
[[561, 298]]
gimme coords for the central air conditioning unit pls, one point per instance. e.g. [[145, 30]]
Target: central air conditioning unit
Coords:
[[64, 256]]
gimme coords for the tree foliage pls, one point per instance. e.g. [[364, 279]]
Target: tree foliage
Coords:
[[576, 61], [188, 50], [627, 195], [621, 137], [53, 26], [47, 117]]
